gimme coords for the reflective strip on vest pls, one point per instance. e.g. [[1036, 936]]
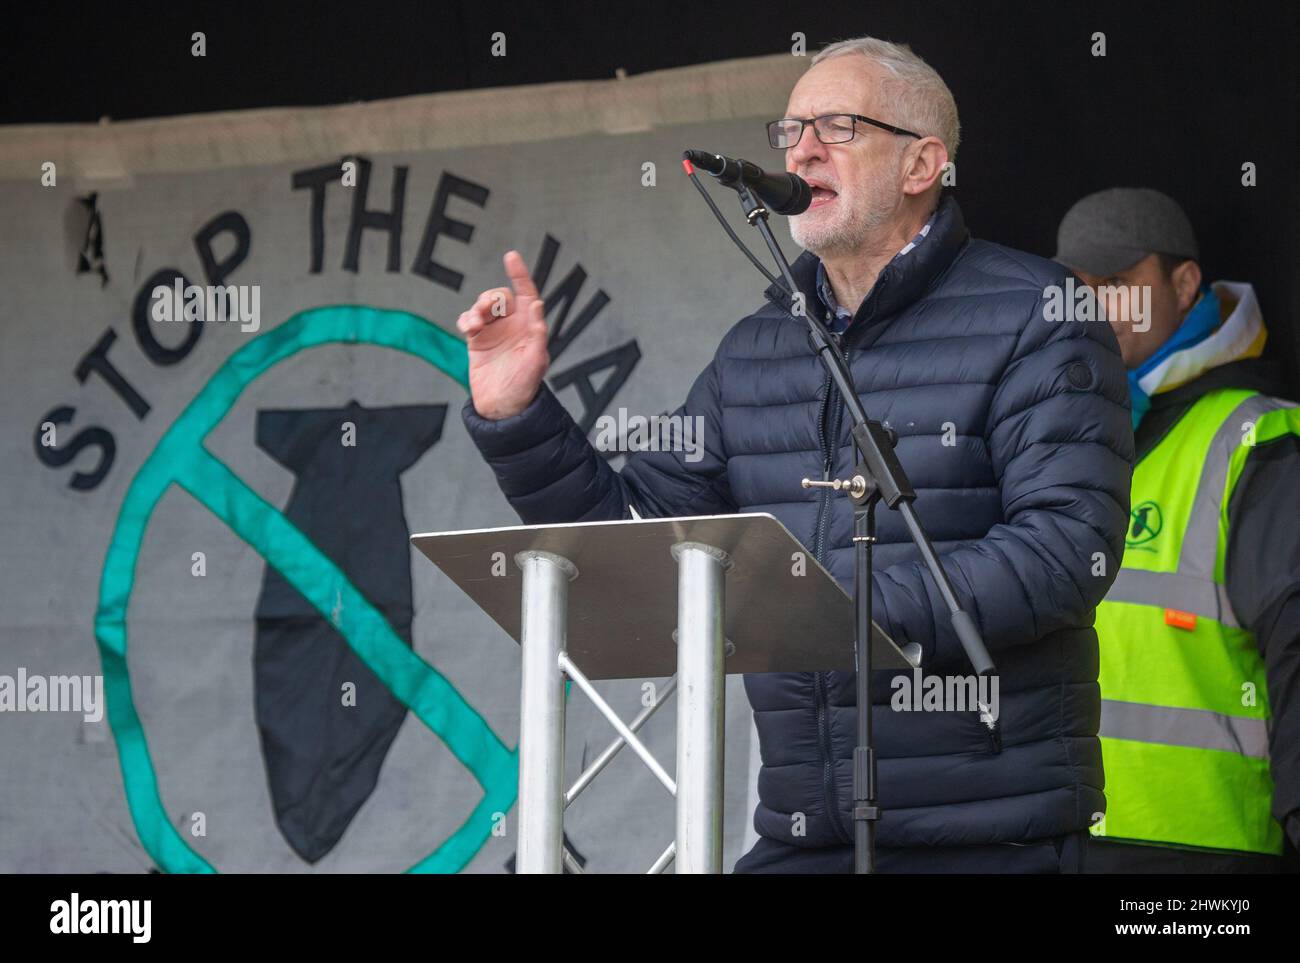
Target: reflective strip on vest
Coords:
[[1197, 728], [1174, 590], [1201, 538]]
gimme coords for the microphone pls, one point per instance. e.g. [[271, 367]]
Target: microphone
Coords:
[[783, 193]]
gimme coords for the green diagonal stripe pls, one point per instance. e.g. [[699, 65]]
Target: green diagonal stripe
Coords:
[[181, 458]]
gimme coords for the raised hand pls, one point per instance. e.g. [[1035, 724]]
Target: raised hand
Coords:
[[506, 332]]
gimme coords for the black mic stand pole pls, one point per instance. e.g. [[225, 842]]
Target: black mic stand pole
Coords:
[[878, 476]]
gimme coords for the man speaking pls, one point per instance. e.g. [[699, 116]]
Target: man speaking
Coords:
[[1014, 430]]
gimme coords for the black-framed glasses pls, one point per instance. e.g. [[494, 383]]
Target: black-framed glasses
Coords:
[[829, 128]]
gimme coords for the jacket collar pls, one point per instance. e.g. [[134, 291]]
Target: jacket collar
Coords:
[[902, 281], [1228, 358], [1167, 409]]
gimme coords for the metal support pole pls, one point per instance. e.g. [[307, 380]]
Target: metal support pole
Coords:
[[701, 578], [865, 811], [541, 711]]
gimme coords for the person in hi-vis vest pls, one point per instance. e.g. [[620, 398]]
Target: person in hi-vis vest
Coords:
[[1200, 635]]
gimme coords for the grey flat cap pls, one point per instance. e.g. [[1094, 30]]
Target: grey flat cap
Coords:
[[1113, 229]]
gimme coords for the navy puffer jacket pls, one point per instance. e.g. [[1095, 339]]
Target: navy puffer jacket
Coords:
[[1015, 432]]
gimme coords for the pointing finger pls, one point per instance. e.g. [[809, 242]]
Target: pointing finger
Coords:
[[520, 279]]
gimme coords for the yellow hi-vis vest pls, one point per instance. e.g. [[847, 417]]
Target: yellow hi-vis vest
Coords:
[[1184, 712]]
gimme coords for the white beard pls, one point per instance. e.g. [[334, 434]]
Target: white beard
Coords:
[[849, 224]]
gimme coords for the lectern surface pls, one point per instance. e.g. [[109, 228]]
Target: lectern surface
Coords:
[[784, 611]]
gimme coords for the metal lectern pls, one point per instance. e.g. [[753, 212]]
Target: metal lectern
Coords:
[[593, 600]]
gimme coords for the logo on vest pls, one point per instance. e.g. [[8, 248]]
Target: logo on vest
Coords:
[[1145, 522]]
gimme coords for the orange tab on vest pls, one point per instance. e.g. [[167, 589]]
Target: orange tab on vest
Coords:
[[1180, 620]]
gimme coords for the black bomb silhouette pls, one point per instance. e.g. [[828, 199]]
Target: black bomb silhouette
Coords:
[[323, 756]]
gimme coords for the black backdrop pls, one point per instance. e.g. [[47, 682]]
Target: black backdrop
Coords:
[[1187, 93]]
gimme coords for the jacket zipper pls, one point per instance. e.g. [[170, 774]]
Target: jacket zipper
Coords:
[[827, 435]]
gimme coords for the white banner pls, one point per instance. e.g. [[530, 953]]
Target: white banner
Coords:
[[206, 514]]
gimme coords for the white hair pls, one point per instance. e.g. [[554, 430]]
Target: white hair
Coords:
[[914, 93]]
